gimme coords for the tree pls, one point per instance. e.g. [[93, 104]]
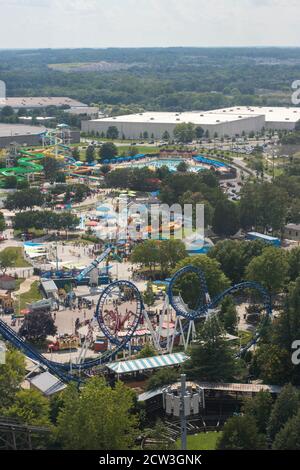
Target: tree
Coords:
[[147, 351], [108, 151], [182, 167], [51, 168], [211, 356], [76, 153], [11, 182], [259, 407], [188, 285], [90, 154], [98, 417], [294, 264], [112, 133], [170, 252], [241, 433], [228, 315], [8, 258], [285, 407], [37, 326], [225, 220], [2, 222], [184, 132], [25, 199], [30, 407], [105, 169], [166, 136], [162, 377], [270, 269], [146, 253], [12, 373], [263, 206], [199, 132], [273, 363], [148, 295], [234, 256], [288, 438]]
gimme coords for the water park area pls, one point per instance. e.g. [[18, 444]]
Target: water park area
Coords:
[[195, 163]]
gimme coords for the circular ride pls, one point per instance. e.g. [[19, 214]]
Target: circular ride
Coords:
[[119, 311]]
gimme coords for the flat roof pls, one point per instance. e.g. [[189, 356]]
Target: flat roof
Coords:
[[292, 227], [263, 236], [49, 286], [47, 383], [272, 114], [10, 130], [40, 101], [196, 117], [147, 363], [224, 387]]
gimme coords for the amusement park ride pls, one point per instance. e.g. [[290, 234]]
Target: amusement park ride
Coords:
[[120, 312], [23, 163]]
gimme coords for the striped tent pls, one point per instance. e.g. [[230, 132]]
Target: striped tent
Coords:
[[147, 363]]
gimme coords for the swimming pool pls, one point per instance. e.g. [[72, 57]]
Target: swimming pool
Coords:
[[171, 164]]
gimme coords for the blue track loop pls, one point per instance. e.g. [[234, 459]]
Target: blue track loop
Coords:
[[176, 302]]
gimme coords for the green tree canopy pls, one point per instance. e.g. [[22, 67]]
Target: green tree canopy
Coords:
[[211, 355], [108, 151], [270, 269], [97, 417], [12, 373], [37, 326], [241, 433]]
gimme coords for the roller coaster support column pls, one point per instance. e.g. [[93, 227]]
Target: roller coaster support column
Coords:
[[156, 340]]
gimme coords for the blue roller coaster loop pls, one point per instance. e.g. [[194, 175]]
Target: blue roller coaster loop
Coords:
[[101, 306], [176, 302], [202, 310]]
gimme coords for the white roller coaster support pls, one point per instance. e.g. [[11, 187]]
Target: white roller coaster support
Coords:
[[153, 333]]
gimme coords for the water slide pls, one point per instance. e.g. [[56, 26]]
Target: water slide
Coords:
[[26, 165]]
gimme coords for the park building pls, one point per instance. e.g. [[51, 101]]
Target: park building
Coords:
[[39, 102], [27, 135], [222, 122]]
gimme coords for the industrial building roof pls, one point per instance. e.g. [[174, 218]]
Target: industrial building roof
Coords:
[[10, 130], [216, 116], [147, 363], [272, 114], [196, 117], [39, 101]]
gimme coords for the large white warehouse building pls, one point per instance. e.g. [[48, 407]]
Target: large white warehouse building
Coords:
[[229, 121]]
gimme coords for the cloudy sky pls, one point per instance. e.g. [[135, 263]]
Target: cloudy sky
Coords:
[[136, 23]]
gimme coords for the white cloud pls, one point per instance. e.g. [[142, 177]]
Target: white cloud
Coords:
[[101, 23]]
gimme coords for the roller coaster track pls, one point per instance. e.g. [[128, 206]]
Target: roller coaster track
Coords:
[[202, 310]]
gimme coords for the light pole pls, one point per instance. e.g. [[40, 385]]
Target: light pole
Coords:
[[182, 400], [182, 412]]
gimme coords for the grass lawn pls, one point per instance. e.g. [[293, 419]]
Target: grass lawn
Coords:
[[245, 336], [201, 441], [20, 262], [19, 282], [31, 296]]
